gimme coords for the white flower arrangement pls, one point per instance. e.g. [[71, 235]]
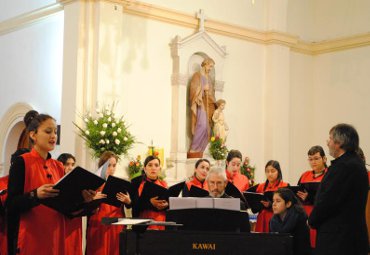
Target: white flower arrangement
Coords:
[[106, 132]]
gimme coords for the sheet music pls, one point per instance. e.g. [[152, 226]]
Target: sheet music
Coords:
[[129, 221]]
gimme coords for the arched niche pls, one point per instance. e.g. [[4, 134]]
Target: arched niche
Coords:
[[187, 55], [11, 126]]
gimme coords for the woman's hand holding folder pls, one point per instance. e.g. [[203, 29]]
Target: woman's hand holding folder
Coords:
[[158, 203], [302, 195], [46, 191], [124, 198]]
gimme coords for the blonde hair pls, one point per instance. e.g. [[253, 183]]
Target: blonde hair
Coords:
[[207, 61]]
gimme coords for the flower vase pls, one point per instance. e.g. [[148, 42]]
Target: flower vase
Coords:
[[219, 162]]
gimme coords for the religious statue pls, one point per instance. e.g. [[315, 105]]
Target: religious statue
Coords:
[[220, 127], [202, 104]]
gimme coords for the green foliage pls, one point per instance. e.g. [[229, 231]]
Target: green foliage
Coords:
[[106, 133], [248, 171], [217, 148], [135, 167]]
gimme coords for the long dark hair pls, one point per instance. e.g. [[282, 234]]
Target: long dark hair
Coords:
[[64, 157], [234, 154], [288, 196], [150, 158], [275, 164], [200, 161], [34, 120]]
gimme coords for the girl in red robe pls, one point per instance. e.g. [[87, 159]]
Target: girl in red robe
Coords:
[[233, 163], [3, 195], [32, 227], [73, 226], [198, 179], [317, 161], [153, 208], [104, 239], [274, 181]]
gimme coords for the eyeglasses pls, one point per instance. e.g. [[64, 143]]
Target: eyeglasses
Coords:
[[314, 159]]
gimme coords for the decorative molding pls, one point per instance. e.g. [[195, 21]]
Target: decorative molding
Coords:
[[341, 44], [179, 79], [29, 18], [14, 113], [150, 11]]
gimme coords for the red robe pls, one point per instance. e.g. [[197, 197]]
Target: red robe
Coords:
[[151, 214], [73, 229], [308, 176], [3, 236], [265, 215], [41, 229], [193, 181], [239, 180], [103, 239]]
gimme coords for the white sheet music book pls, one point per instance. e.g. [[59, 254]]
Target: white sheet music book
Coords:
[[204, 202], [177, 203], [128, 221], [232, 204]]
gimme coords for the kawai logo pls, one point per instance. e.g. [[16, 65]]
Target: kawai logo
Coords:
[[204, 246]]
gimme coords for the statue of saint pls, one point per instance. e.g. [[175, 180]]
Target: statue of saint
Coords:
[[202, 103], [220, 127]]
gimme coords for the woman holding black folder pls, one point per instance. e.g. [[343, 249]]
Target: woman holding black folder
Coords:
[[73, 226], [32, 227], [146, 205], [317, 161], [198, 178], [274, 181], [103, 239]]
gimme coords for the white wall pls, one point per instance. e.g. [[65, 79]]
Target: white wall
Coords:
[[32, 70], [13, 8], [340, 18], [341, 91], [300, 18], [31, 66], [301, 112]]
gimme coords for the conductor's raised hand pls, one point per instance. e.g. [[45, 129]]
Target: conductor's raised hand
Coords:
[[46, 191]]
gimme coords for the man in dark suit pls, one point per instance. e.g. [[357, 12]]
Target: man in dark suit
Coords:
[[339, 212]]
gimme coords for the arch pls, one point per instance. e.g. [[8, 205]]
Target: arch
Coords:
[[11, 125]]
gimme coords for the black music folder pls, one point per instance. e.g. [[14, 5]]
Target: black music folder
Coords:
[[233, 191], [197, 192], [311, 188], [70, 188], [254, 199], [113, 186], [175, 190], [297, 188], [151, 190]]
